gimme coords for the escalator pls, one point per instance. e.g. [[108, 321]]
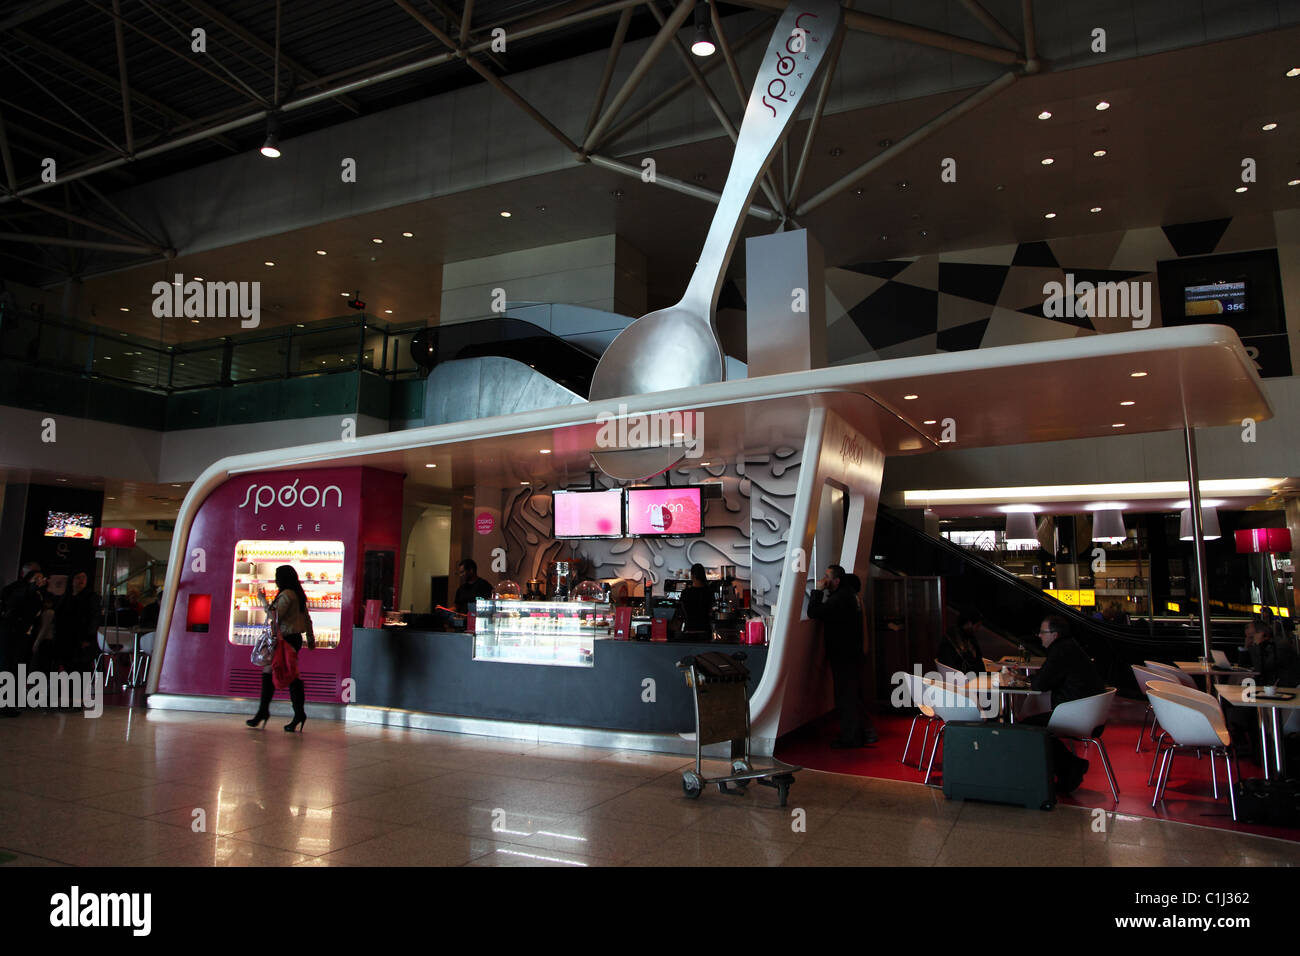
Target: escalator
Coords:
[[1015, 609], [552, 356]]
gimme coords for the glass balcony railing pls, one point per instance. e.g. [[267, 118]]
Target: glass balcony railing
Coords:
[[343, 344]]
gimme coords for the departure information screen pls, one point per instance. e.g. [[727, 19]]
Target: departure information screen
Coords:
[[1216, 298]]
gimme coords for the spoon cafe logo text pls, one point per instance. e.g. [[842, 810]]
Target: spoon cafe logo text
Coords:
[[796, 43]]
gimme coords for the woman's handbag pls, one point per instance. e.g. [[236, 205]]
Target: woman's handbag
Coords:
[[264, 650], [284, 666]]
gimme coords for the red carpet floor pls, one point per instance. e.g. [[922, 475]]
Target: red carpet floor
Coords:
[[1188, 795]]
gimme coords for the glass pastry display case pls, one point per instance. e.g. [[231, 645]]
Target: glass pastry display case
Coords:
[[562, 633], [320, 570]]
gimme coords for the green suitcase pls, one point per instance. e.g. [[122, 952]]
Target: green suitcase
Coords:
[[1001, 763]]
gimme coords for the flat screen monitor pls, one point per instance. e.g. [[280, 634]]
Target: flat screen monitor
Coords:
[[1214, 298], [665, 512], [68, 524], [588, 514]]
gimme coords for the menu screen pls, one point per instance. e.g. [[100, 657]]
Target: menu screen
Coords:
[[588, 514], [664, 512]]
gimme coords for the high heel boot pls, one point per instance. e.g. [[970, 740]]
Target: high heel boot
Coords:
[[264, 708], [298, 695]]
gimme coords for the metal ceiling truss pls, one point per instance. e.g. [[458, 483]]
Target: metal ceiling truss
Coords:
[[599, 130]]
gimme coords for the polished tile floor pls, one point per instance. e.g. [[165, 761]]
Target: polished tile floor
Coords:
[[166, 788]]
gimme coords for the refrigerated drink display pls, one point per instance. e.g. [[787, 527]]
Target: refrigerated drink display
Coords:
[[320, 570]]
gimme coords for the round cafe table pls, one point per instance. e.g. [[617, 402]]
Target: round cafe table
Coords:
[[1285, 698]]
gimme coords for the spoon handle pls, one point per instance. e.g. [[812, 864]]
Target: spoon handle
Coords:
[[794, 54]]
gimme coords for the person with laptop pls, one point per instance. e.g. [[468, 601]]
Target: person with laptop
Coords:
[[1067, 674]]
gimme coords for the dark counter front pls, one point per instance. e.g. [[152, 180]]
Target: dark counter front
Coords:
[[436, 673]]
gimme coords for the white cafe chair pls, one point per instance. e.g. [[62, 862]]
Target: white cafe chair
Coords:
[[1192, 721], [111, 642], [1144, 676], [1171, 673], [916, 694], [1085, 720], [141, 670], [948, 705]]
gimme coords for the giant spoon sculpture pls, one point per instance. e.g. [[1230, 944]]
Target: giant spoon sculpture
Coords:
[[678, 346]]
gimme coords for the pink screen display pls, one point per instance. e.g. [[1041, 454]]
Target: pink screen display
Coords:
[[584, 514], [664, 511]]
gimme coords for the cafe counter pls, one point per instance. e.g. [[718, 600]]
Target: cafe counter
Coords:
[[593, 681]]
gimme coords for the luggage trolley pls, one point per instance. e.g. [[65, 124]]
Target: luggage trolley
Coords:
[[717, 682]]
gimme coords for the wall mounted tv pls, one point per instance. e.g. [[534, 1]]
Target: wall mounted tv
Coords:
[[665, 512], [587, 514], [1242, 290], [67, 524]]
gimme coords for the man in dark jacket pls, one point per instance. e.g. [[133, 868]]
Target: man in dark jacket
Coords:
[[1068, 674], [836, 605], [76, 625], [1273, 657], [23, 602]]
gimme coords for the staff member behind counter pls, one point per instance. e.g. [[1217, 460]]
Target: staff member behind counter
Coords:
[[695, 605], [472, 586]]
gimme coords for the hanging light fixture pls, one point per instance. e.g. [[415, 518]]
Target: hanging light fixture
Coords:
[[1108, 526], [1021, 528], [1209, 525], [271, 148], [703, 45]]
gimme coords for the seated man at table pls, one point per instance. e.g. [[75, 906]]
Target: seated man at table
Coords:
[[1068, 674], [1275, 659]]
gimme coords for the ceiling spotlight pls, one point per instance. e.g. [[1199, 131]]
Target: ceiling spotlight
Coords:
[[1294, 71], [1048, 161], [1128, 403], [268, 262], [1044, 115], [505, 214], [1095, 209], [123, 309], [1117, 425], [930, 421], [408, 235], [1268, 126], [320, 252], [377, 241], [198, 278], [544, 451], [388, 311], [1103, 105], [271, 147], [908, 398], [1293, 182], [1099, 153], [1137, 375], [430, 466], [1241, 189], [1049, 215], [703, 45]]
